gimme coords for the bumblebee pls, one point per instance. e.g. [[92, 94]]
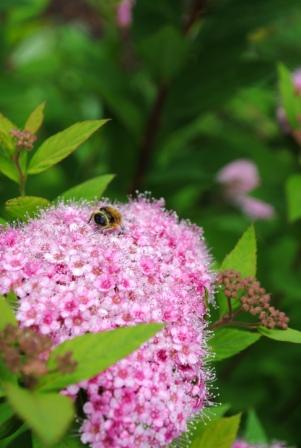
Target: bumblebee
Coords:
[[107, 217]]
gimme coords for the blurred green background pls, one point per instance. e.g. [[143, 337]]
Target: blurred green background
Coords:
[[189, 86]]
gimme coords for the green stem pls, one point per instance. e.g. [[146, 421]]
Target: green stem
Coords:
[[22, 176]]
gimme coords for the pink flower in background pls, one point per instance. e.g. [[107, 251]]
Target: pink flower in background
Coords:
[[239, 178], [72, 277], [297, 80], [125, 13], [256, 209]]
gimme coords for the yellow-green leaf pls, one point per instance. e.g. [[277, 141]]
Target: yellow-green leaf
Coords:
[[89, 190], [243, 257], [227, 342], [48, 415], [291, 102], [24, 206], [95, 352], [5, 137], [8, 168], [218, 434], [289, 335], [6, 314], [35, 119], [62, 144], [293, 196]]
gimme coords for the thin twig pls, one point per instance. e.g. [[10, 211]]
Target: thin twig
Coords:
[[154, 119]]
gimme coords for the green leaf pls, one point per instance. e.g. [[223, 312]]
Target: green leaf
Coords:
[[6, 413], [254, 432], [289, 335], [24, 206], [8, 168], [6, 314], [291, 102], [9, 422], [2, 221], [199, 424], [293, 197], [35, 119], [61, 145], [243, 257], [89, 190], [5, 137], [71, 440], [218, 434], [6, 375], [11, 299], [169, 43], [8, 441], [48, 415], [227, 342], [96, 352]]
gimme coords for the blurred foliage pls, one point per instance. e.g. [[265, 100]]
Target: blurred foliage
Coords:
[[190, 86]]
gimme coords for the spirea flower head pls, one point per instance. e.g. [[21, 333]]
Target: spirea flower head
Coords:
[[72, 277]]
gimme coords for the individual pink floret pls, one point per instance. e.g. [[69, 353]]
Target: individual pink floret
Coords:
[[72, 277]]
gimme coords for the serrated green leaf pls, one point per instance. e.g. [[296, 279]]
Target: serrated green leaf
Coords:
[[6, 412], [227, 342], [293, 197], [96, 352], [289, 335], [8, 168], [254, 432], [68, 441], [199, 424], [24, 206], [48, 415], [218, 434], [291, 102], [89, 190], [35, 119], [243, 257], [6, 314], [8, 441], [62, 144], [6, 139]]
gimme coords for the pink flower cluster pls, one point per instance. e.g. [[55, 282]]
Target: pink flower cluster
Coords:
[[71, 277], [238, 178], [243, 444], [125, 13]]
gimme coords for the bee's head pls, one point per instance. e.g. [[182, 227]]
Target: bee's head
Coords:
[[101, 219]]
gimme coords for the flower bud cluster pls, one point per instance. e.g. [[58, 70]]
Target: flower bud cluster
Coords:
[[24, 352], [24, 139], [254, 299]]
